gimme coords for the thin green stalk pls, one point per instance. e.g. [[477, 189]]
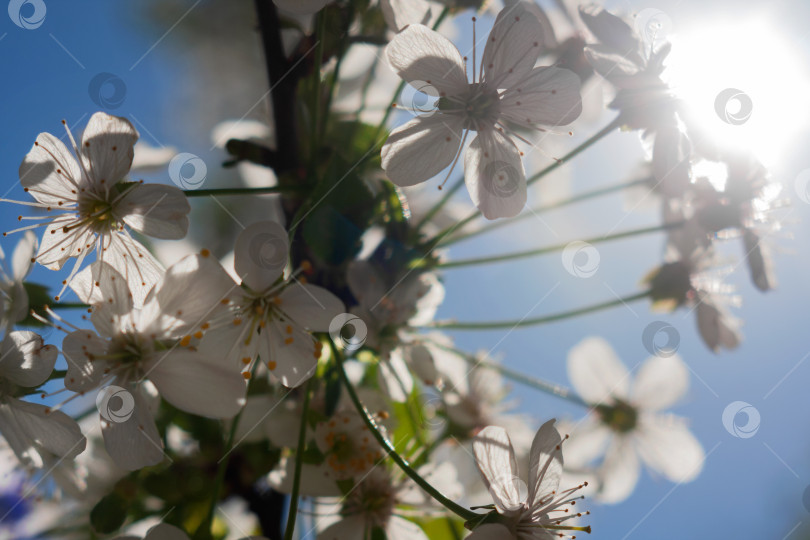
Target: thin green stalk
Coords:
[[519, 323], [299, 453], [464, 513], [493, 225], [538, 384], [239, 191], [557, 247], [440, 204], [204, 530], [616, 123], [387, 114]]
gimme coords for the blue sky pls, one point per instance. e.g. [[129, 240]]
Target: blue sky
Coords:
[[749, 487]]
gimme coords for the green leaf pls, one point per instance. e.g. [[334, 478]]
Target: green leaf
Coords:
[[109, 514]]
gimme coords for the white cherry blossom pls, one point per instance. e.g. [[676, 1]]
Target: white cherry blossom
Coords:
[[510, 91]]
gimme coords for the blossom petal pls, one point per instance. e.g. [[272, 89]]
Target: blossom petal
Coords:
[[156, 210], [494, 175], [421, 55], [347, 528], [290, 355], [611, 31], [497, 464], [394, 378], [25, 359], [196, 384], [548, 96], [61, 240], [660, 382], [79, 348], [260, 254], [619, 472], [133, 261], [50, 172], [717, 326], [29, 427], [491, 531], [545, 465], [134, 443], [588, 440], [164, 531], [666, 445], [311, 306], [23, 253], [512, 48], [401, 529], [400, 13], [421, 148], [596, 372], [108, 144]]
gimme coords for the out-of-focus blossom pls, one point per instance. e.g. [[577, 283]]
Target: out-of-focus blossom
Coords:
[[627, 426], [13, 296]]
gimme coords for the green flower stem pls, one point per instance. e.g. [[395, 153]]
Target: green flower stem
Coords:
[[299, 453], [533, 382], [457, 509], [613, 125], [240, 191], [493, 225], [519, 323], [557, 247], [387, 114], [440, 204]]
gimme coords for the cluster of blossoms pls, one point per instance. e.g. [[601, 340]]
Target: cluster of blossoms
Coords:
[[282, 364]]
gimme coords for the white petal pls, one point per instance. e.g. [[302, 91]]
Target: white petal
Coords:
[[496, 461], [596, 372], [491, 531], [23, 253], [548, 96], [545, 464], [260, 254], [25, 359], [366, 283], [512, 48], [301, 7], [190, 294], [83, 373], [402, 529], [314, 482], [258, 412], [666, 445], [394, 378], [421, 55], [134, 443], [610, 30], [155, 210], [494, 175], [104, 288], [618, 474], [108, 144], [195, 384], [310, 306], [421, 148], [133, 261], [348, 528], [60, 242], [660, 382], [717, 326], [53, 431], [420, 359], [400, 13], [150, 158], [291, 354], [50, 172], [615, 67], [588, 440]]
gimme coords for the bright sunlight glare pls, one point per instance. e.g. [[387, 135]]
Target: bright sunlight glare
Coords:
[[744, 84]]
